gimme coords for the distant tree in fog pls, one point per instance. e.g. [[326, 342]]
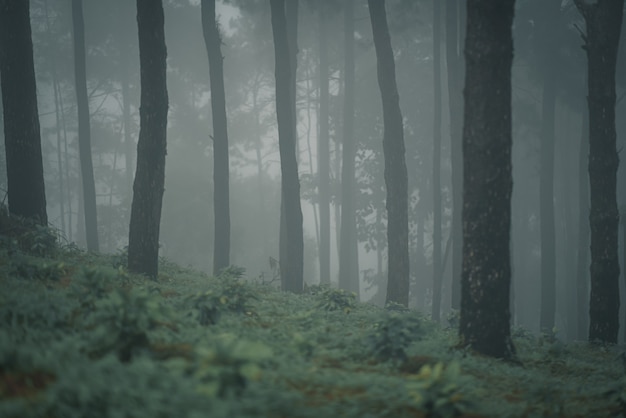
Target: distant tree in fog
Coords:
[[221, 189], [603, 20], [84, 130], [548, 61], [348, 246], [396, 177], [487, 187], [26, 191], [145, 218], [292, 241], [437, 262], [323, 155]]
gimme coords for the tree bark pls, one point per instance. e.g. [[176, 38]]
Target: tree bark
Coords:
[[221, 191], [149, 185], [485, 315], [454, 60], [292, 264], [348, 246], [582, 276], [396, 179], [603, 20], [84, 130], [291, 14], [437, 266], [26, 190], [323, 156]]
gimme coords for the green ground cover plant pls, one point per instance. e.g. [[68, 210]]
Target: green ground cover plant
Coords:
[[81, 337]]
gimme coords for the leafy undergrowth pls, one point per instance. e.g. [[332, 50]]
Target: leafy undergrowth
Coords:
[[80, 337]]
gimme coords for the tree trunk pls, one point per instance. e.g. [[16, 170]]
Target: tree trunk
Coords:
[[26, 190], [485, 315], [348, 245], [293, 262], [291, 15], [582, 276], [221, 192], [603, 20], [323, 156], [437, 267], [454, 19], [396, 180], [129, 145], [145, 217], [84, 131], [546, 177]]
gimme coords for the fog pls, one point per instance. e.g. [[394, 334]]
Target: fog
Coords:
[[186, 235]]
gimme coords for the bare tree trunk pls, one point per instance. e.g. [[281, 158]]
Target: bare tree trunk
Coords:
[[454, 34], [485, 314], [603, 20], [582, 276], [548, 53], [293, 262], [149, 185], [396, 178], [437, 266], [323, 156], [221, 191], [26, 190], [348, 244], [84, 130]]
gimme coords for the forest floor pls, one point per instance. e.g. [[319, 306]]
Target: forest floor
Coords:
[[81, 337]]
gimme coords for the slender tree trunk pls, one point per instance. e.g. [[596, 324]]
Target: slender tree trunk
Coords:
[[129, 145], [396, 179], [487, 187], [348, 245], [221, 192], [291, 14], [292, 264], [603, 20], [582, 276], [309, 105], [57, 115], [26, 190], [437, 266], [454, 19], [258, 147], [546, 216], [149, 185], [546, 181], [323, 156], [84, 131]]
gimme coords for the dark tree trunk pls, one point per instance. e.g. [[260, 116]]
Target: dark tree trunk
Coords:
[[291, 15], [84, 130], [485, 315], [454, 34], [145, 217], [221, 192], [293, 263], [395, 165], [348, 245], [548, 53], [437, 266], [582, 269], [323, 166], [26, 190], [603, 20]]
